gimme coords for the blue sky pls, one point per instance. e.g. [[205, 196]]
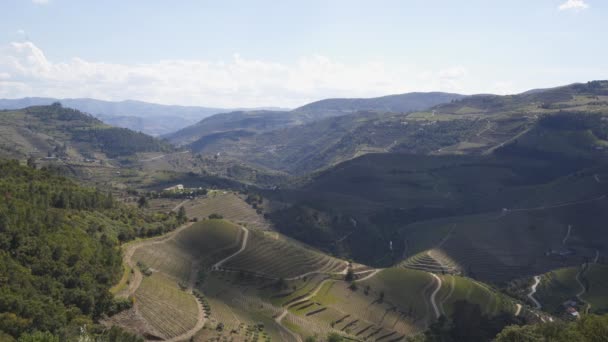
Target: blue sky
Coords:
[[287, 53]]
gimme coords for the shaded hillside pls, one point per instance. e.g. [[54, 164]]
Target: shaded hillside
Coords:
[[264, 121], [58, 132], [358, 207], [247, 121]]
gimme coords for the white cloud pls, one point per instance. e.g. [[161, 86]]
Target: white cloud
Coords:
[[236, 82], [21, 32], [41, 2], [576, 5]]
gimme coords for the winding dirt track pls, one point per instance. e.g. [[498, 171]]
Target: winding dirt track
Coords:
[[580, 294], [243, 246], [434, 295], [517, 309], [533, 291]]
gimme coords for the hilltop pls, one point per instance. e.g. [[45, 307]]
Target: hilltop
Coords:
[[234, 125], [150, 118], [57, 132], [471, 125]]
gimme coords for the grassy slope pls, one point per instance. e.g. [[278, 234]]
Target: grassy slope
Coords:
[[271, 255], [230, 206], [166, 307], [597, 295], [207, 241], [558, 286]]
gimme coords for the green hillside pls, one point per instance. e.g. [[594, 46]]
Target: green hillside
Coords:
[[471, 125], [63, 133], [549, 177], [59, 250]]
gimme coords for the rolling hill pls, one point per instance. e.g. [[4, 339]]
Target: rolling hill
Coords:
[[245, 123], [401, 103], [150, 118], [55, 132], [535, 177], [472, 125]]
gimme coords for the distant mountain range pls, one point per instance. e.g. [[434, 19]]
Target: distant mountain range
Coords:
[[150, 118], [248, 122]]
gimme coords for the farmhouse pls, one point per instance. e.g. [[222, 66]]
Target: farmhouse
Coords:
[[178, 187]]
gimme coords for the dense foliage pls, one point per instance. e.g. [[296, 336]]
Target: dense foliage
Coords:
[[58, 250], [115, 142], [467, 323], [84, 129], [589, 328]]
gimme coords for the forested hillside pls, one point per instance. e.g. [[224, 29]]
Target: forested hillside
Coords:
[[63, 132], [58, 250]]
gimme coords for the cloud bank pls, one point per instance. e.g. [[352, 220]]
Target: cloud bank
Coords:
[[575, 5], [236, 82]]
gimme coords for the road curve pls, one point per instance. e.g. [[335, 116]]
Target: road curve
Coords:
[[533, 291], [518, 309], [580, 294], [434, 295], [370, 275], [243, 246]]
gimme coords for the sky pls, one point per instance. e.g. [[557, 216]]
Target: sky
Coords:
[[287, 53]]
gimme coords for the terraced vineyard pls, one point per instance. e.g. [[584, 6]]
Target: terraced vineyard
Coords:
[[498, 247], [398, 285], [433, 260], [271, 255], [167, 258], [596, 278], [166, 307], [557, 287], [235, 307], [456, 288], [232, 207], [205, 242]]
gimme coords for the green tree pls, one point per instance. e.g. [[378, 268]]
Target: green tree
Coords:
[[334, 337], [142, 202], [181, 215], [350, 275], [39, 337]]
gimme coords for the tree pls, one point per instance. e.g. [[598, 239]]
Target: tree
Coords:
[[39, 337], [31, 162], [350, 275], [334, 337], [181, 215], [215, 216], [142, 202]]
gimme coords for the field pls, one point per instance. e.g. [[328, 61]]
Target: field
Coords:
[[596, 276], [557, 287], [457, 288], [271, 255], [204, 242], [235, 305], [231, 206], [170, 310], [501, 246]]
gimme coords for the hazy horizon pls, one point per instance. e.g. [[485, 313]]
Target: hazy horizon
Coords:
[[240, 54]]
